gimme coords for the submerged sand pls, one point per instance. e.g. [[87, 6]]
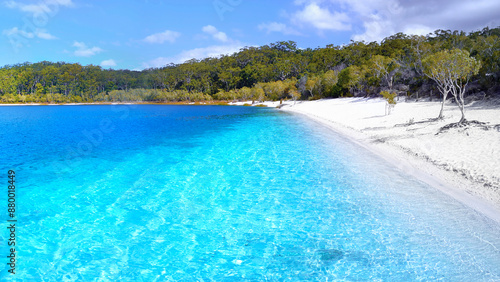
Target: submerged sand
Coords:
[[462, 162]]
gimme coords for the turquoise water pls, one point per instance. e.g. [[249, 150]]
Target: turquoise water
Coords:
[[185, 193]]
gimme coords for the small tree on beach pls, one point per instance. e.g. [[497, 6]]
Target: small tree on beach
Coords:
[[391, 101], [451, 70]]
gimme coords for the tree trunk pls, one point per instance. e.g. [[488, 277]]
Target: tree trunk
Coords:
[[462, 120], [442, 107], [462, 110]]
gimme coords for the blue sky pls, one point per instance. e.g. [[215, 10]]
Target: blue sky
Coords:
[[138, 34]]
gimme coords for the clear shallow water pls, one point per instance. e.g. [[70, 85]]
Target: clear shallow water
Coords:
[[158, 193]]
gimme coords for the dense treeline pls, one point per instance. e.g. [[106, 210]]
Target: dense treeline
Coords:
[[276, 71]]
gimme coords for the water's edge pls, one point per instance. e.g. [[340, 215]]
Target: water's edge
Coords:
[[398, 159]]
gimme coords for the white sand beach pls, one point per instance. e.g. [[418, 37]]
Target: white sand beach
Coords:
[[462, 162]]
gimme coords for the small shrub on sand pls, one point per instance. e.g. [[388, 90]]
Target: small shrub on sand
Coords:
[[390, 97]]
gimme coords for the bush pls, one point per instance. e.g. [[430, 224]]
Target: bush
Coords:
[[391, 101], [390, 97]]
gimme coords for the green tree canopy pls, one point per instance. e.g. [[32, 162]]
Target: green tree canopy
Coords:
[[451, 70]]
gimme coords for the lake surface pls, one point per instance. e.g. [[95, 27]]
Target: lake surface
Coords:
[[179, 193]]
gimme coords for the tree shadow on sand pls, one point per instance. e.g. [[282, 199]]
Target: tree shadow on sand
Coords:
[[468, 124], [411, 122], [460, 125]]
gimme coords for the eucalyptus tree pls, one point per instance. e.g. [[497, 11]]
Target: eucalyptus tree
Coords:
[[353, 78], [316, 71], [384, 68], [328, 82], [451, 70]]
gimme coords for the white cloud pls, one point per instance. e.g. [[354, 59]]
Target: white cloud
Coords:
[[373, 20], [40, 13], [210, 51], [277, 27], [321, 18], [108, 63], [273, 27], [384, 18], [83, 51], [217, 35], [16, 31], [38, 33], [375, 30], [418, 29], [46, 6], [161, 37], [44, 35], [198, 53]]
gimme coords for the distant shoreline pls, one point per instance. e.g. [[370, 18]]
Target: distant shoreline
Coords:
[[205, 103]]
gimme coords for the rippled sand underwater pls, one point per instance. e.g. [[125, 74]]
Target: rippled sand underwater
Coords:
[[145, 192]]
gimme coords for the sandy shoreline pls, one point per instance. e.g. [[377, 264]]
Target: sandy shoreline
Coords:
[[463, 163]]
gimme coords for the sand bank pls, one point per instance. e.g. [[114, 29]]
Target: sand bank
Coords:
[[462, 162]]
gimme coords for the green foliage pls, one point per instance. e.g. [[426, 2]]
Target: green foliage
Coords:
[[258, 93], [151, 95], [451, 70], [390, 97], [353, 78], [450, 65], [329, 82], [276, 71], [384, 68]]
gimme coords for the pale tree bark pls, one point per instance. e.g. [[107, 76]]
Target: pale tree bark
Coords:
[[458, 92], [444, 88], [452, 70]]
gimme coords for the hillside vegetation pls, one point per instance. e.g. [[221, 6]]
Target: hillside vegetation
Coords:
[[272, 72]]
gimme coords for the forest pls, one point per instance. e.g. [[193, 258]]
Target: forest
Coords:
[[276, 71]]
